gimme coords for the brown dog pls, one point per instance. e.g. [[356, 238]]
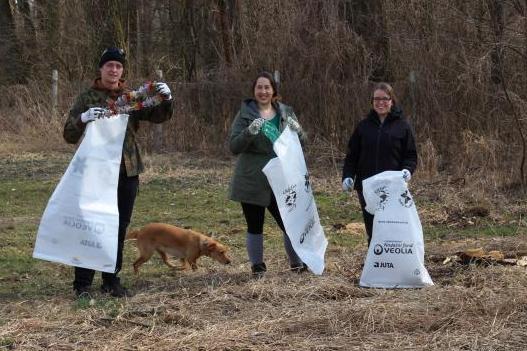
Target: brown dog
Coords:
[[185, 244]]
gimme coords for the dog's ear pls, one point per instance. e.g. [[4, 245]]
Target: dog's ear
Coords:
[[208, 245]]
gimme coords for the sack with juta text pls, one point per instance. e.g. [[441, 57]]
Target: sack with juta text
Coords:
[[395, 257]]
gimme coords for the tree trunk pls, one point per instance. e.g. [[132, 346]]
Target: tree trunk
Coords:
[[190, 48], [367, 20], [11, 63], [496, 55], [225, 28]]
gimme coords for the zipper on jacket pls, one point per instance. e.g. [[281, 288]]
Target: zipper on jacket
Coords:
[[377, 148]]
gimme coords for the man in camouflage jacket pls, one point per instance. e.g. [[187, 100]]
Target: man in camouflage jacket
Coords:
[[88, 106]]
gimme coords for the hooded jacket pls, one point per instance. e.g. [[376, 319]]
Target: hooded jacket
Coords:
[[249, 184], [375, 147]]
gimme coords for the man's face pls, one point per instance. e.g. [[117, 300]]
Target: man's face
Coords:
[[111, 73]]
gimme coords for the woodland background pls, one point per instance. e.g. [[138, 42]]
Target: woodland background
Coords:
[[458, 66], [460, 70]]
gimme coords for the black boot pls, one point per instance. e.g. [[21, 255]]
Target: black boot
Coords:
[[258, 270], [82, 282], [82, 292], [299, 268], [115, 289]]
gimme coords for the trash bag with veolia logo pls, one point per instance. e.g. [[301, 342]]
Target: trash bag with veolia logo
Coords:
[[289, 180], [80, 224], [395, 257]]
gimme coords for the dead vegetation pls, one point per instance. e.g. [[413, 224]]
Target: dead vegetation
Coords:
[[469, 308]]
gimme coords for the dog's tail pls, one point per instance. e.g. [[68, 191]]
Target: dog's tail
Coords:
[[132, 235]]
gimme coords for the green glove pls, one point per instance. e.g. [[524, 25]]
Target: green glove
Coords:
[[270, 131]]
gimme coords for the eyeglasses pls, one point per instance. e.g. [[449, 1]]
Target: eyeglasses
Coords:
[[382, 98]]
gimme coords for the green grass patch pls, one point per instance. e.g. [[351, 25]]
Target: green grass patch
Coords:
[[484, 229], [199, 202], [7, 343]]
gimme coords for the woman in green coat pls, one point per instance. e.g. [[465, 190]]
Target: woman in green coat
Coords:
[[258, 122]]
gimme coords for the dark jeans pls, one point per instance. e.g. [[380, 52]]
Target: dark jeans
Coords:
[[368, 217], [255, 215], [126, 193]]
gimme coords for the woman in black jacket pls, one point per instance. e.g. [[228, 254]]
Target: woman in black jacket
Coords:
[[383, 141]]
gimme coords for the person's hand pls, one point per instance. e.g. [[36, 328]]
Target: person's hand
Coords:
[[163, 89], [347, 184], [407, 175], [256, 125], [293, 124], [92, 114]]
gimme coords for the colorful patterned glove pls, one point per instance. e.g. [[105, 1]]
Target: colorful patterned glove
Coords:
[[294, 125], [256, 125]]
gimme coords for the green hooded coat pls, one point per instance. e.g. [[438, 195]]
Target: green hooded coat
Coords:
[[249, 184]]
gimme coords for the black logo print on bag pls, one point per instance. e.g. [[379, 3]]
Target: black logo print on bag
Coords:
[[406, 200], [383, 265], [290, 197], [307, 183], [307, 229], [384, 195]]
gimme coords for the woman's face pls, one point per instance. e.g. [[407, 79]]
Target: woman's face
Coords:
[[263, 91], [382, 103]]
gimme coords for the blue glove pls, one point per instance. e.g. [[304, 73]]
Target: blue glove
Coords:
[[407, 175], [347, 184]]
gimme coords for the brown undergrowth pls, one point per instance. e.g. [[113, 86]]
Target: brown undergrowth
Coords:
[[470, 307]]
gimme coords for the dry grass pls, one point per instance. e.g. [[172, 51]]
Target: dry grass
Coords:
[[470, 308], [222, 308]]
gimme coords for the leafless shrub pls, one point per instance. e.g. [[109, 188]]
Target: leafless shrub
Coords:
[[442, 57]]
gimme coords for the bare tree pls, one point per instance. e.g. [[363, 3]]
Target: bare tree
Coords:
[[11, 63], [367, 20]]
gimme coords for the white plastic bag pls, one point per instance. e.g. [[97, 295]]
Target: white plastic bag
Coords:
[[80, 224], [289, 180], [395, 257]]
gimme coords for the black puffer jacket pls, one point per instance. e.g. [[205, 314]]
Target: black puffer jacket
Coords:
[[374, 147]]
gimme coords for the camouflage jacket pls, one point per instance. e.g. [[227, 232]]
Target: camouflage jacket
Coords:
[[97, 96]]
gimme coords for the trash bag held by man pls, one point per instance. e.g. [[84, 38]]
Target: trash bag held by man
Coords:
[[80, 224], [395, 257]]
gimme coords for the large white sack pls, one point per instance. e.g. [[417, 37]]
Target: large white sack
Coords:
[[289, 180], [80, 224], [395, 257]]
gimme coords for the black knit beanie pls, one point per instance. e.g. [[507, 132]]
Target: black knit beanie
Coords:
[[112, 54]]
